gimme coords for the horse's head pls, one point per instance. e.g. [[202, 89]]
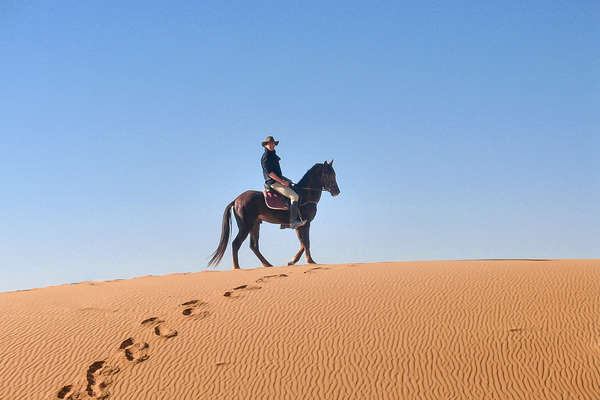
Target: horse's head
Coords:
[[328, 180]]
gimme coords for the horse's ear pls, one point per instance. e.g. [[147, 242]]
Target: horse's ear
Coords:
[[331, 163], [325, 163]]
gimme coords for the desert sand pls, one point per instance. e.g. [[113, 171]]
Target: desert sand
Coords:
[[485, 329]]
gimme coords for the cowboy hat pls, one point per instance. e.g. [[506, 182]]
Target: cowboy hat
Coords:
[[270, 139]]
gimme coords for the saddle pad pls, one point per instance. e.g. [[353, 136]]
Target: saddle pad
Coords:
[[275, 201]]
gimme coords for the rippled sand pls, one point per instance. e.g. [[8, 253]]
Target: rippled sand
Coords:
[[498, 329]]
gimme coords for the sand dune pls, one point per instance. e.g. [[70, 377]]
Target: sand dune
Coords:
[[488, 329]]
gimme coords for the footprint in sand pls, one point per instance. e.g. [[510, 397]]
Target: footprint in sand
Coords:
[[237, 289], [99, 374], [269, 277], [315, 269], [164, 331], [126, 343], [160, 329], [68, 393], [192, 303], [99, 377], [152, 321], [195, 309], [136, 352]]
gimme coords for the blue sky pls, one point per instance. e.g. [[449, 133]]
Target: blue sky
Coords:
[[459, 130]]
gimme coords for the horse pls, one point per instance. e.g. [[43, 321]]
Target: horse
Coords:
[[250, 211]]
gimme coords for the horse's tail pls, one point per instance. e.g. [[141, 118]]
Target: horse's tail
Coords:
[[226, 229]]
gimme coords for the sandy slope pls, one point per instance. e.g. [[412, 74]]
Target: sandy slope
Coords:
[[431, 330]]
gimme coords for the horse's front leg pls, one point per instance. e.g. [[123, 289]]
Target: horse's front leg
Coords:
[[299, 254], [304, 236]]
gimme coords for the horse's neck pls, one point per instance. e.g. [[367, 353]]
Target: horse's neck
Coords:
[[312, 176], [310, 186]]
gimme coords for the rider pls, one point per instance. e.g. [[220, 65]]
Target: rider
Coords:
[[276, 181]]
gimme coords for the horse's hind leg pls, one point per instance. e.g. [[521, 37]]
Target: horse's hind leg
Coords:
[[236, 244], [239, 239], [254, 244]]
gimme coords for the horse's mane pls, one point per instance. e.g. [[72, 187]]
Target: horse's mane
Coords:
[[308, 174]]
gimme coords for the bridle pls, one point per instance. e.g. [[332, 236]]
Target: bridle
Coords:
[[322, 189]]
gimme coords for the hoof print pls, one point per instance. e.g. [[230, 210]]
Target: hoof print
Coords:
[[315, 269], [99, 377], [126, 343], [194, 309], [137, 353], [268, 277], [64, 391], [195, 313], [152, 321], [229, 293], [248, 287], [164, 332], [67, 393]]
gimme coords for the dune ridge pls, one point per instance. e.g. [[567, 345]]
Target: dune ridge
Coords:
[[468, 329]]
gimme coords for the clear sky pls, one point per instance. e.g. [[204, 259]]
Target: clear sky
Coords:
[[459, 130]]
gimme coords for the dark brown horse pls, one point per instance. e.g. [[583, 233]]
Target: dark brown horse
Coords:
[[250, 210]]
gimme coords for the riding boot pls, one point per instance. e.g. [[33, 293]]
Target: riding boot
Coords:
[[294, 221]]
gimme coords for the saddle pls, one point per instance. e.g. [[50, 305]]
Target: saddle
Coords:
[[276, 201]]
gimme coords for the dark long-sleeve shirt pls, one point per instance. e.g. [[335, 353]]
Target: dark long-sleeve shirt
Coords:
[[270, 163]]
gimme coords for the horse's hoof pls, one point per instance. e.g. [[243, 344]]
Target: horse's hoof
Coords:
[[291, 263], [267, 265]]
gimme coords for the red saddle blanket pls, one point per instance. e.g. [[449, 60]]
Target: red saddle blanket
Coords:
[[275, 201]]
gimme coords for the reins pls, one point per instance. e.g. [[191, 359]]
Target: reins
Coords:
[[309, 188], [322, 189]]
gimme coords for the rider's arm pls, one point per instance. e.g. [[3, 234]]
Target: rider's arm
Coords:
[[274, 176]]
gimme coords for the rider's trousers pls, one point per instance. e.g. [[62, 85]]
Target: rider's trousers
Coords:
[[285, 191]]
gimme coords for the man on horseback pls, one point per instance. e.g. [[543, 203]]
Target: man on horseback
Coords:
[[275, 180], [251, 208]]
